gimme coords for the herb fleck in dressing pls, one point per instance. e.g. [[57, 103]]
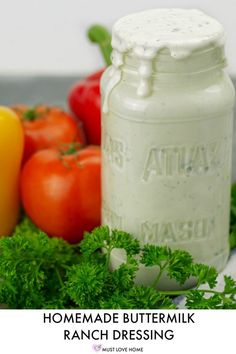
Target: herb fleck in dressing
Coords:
[[167, 135]]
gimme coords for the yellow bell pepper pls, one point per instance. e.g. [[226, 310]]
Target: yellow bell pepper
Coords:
[[11, 150]]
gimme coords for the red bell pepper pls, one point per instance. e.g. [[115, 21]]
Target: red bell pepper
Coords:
[[84, 97]]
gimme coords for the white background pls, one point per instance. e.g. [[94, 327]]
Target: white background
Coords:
[[49, 36], [23, 332]]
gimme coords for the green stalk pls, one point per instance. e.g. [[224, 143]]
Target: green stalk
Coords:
[[161, 271], [70, 148], [59, 277], [108, 256], [31, 114], [101, 36], [185, 292], [154, 285]]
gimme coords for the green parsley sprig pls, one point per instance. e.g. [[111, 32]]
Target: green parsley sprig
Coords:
[[41, 272], [33, 269]]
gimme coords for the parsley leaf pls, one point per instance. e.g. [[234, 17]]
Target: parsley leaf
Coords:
[[32, 268], [41, 272], [204, 275], [230, 285], [85, 284]]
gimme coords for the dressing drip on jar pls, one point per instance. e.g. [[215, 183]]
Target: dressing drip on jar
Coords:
[[167, 135]]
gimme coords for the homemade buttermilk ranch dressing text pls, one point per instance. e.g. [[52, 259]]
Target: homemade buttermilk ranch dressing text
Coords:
[[144, 34]]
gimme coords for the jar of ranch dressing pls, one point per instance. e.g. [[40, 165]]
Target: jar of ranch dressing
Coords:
[[167, 134]]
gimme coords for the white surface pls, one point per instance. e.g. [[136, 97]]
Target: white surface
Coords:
[[24, 332], [48, 36]]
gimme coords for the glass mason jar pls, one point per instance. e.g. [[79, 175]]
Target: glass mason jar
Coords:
[[166, 170]]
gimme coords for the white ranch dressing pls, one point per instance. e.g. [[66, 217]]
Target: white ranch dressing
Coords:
[[144, 34]]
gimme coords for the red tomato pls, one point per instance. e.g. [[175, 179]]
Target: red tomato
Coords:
[[47, 127], [62, 193]]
